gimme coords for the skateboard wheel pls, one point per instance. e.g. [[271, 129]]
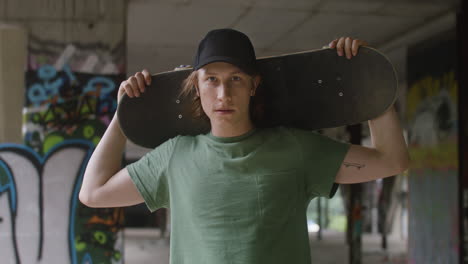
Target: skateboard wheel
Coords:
[[319, 81], [338, 78], [177, 101], [180, 116], [340, 94]]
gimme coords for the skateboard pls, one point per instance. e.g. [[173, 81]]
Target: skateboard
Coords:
[[310, 90]]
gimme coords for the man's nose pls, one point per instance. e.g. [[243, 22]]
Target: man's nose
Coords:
[[224, 91]]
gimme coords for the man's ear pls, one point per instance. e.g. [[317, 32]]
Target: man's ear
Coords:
[[257, 79]]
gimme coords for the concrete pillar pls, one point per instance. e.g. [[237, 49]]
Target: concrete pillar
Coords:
[[462, 42], [13, 52]]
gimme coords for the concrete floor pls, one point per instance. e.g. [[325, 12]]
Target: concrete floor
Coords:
[[144, 246]]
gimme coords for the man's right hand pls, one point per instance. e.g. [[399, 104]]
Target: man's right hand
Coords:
[[135, 85]]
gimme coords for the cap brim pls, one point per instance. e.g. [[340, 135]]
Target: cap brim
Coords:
[[230, 60]]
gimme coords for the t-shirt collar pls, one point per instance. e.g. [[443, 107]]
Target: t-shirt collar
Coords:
[[231, 139]]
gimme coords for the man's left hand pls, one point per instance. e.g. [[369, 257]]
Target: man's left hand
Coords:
[[347, 45]]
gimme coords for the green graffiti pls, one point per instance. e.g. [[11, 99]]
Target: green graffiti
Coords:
[[117, 255], [88, 131], [96, 140], [99, 229], [49, 116], [79, 245], [85, 110], [50, 141], [4, 180], [100, 237], [36, 118]]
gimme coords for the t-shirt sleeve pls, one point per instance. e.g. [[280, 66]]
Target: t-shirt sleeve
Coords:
[[322, 157], [150, 175]]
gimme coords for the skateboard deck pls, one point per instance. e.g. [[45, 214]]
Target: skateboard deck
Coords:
[[309, 90]]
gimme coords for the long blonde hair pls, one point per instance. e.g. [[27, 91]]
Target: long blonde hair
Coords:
[[189, 86]]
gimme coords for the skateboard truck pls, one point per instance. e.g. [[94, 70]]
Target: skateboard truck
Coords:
[[183, 67]]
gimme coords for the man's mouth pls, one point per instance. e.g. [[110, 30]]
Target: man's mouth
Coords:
[[224, 111]]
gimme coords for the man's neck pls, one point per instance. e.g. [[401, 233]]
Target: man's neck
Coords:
[[231, 130]]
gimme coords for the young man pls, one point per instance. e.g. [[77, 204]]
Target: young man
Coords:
[[237, 194]]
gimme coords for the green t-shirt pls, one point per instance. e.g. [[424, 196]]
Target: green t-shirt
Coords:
[[241, 199]]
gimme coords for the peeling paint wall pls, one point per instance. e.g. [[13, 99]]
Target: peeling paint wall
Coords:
[[433, 143]]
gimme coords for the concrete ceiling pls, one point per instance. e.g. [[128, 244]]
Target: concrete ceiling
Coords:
[[162, 34]]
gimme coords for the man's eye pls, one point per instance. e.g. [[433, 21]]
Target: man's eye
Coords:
[[211, 79], [236, 78]]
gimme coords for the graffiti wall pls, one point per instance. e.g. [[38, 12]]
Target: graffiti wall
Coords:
[[70, 99], [41, 220], [70, 91], [433, 143]]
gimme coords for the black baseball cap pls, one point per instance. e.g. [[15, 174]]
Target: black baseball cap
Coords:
[[227, 45]]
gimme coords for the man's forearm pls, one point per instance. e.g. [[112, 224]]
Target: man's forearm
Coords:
[[105, 160], [387, 138]]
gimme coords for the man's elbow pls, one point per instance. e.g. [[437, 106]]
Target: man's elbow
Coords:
[[85, 198], [403, 165]]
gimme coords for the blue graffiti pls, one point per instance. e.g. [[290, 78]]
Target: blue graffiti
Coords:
[[39, 162], [51, 83], [74, 200], [87, 259], [9, 187], [107, 86], [71, 76], [46, 72], [40, 92]]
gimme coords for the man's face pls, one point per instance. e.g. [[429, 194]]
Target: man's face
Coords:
[[225, 93]]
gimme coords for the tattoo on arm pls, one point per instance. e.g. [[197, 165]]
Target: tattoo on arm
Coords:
[[357, 165]]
